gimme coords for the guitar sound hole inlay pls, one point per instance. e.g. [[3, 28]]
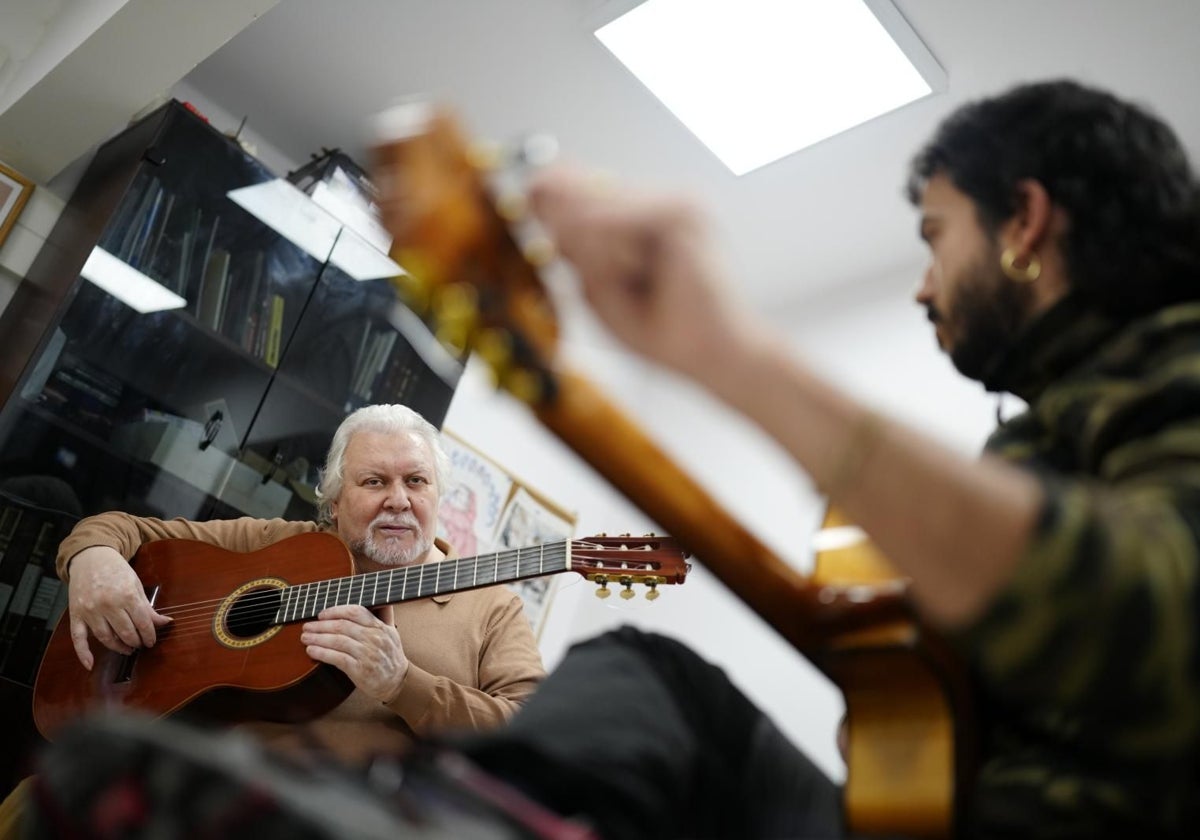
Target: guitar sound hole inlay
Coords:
[[252, 614]]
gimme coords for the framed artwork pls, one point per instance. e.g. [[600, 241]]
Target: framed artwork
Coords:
[[15, 190], [485, 508]]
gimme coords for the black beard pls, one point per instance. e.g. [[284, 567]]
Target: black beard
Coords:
[[989, 312]]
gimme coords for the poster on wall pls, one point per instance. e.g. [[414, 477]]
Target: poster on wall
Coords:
[[485, 508]]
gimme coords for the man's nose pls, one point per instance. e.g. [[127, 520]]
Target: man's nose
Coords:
[[924, 291], [397, 497]]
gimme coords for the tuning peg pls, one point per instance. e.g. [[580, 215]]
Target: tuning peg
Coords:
[[455, 311], [539, 251], [523, 385], [627, 592], [456, 301], [415, 284], [495, 346], [652, 534], [484, 156], [537, 150], [602, 590], [512, 206], [652, 592]]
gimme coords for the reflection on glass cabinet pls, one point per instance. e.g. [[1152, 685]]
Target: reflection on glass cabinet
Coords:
[[217, 394]]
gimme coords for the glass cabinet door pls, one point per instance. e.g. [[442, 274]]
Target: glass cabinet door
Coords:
[[199, 363]]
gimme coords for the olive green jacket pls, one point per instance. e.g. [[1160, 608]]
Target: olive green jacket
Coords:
[[1088, 664]]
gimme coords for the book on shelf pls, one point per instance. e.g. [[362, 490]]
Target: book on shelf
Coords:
[[241, 304], [151, 260], [119, 224], [214, 289], [274, 331], [146, 227], [201, 263], [132, 218], [372, 358], [10, 558], [191, 234]]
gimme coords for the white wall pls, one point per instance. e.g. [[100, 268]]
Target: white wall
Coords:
[[26, 238], [878, 347]]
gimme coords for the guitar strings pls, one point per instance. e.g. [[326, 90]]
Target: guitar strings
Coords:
[[260, 605], [197, 617]]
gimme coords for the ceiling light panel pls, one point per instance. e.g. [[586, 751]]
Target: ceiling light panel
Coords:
[[756, 80]]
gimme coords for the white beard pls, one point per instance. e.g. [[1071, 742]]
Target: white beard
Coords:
[[385, 552]]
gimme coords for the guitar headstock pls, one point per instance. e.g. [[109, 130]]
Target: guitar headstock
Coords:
[[471, 275], [625, 560]]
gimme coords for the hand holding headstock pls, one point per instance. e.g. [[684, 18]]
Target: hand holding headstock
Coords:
[[477, 281]]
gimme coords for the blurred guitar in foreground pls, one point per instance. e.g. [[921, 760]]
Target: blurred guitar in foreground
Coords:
[[472, 262]]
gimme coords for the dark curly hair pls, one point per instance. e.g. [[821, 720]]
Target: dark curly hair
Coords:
[[1133, 239]]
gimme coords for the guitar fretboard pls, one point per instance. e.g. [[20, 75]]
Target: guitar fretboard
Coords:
[[407, 583]]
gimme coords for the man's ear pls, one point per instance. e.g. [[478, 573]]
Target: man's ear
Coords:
[[1030, 228]]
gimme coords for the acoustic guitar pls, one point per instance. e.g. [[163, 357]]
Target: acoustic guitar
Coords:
[[233, 651], [473, 262]]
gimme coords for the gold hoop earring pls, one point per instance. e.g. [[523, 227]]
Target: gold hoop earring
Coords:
[[1027, 273]]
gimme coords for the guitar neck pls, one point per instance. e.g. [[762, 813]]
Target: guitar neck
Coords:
[[805, 613], [586, 420], [304, 601]]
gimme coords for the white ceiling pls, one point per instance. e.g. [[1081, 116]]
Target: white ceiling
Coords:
[[309, 73]]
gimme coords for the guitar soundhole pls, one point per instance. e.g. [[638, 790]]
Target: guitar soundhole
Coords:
[[253, 613]]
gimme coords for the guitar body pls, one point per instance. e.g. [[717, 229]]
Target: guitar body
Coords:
[[232, 651], [216, 659], [907, 701]]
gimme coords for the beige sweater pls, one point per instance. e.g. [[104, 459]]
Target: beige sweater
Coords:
[[473, 656]]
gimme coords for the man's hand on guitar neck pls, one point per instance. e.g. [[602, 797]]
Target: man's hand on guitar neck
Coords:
[[106, 600]]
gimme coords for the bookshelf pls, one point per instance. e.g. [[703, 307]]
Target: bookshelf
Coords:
[[220, 406]]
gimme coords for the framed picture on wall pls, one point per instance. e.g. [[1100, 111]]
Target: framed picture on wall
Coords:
[[486, 508], [15, 190]]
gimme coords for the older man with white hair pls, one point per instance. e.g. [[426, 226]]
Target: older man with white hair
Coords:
[[464, 660]]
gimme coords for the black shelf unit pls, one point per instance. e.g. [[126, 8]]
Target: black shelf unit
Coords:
[[114, 405]]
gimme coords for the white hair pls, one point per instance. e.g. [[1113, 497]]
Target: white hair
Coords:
[[393, 419]]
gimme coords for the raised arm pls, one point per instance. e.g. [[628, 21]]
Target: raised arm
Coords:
[[649, 273]]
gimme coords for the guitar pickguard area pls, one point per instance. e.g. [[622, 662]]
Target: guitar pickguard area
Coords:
[[246, 617]]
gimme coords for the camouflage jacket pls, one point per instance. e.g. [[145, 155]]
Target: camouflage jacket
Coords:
[[1088, 663]]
